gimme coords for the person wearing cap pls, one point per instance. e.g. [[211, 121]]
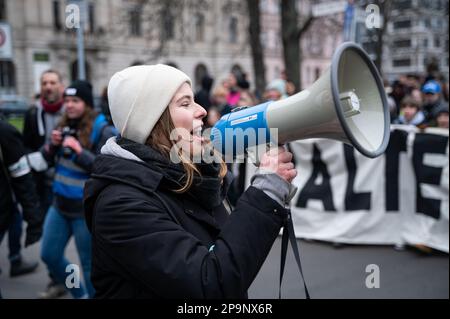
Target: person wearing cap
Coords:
[[159, 225], [276, 90], [432, 100], [72, 150]]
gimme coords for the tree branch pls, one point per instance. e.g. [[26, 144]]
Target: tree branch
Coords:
[[305, 26]]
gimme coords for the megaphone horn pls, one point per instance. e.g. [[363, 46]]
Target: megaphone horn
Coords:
[[347, 103]]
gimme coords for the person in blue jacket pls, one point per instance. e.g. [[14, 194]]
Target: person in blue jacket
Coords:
[[74, 144]]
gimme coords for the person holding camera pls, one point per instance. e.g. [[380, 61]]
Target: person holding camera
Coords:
[[159, 225], [74, 144]]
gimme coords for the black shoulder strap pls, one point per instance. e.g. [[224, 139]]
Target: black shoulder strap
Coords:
[[289, 235]]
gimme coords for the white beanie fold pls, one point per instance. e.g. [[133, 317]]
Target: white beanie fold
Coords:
[[139, 95]]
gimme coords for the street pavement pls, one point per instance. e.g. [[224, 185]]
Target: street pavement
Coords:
[[330, 273]]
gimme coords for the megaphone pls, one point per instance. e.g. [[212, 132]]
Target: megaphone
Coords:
[[347, 103]]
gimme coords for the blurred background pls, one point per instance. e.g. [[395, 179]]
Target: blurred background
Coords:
[[241, 53]]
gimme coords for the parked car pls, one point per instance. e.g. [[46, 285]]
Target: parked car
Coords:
[[13, 105]]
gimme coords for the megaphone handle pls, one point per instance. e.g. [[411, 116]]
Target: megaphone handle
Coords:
[[254, 153]]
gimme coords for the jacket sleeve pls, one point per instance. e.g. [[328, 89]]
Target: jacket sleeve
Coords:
[[20, 175], [171, 262], [87, 157], [29, 130]]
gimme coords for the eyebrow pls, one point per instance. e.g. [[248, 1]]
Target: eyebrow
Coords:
[[184, 97]]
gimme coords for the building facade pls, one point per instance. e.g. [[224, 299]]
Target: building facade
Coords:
[[197, 36], [416, 34]]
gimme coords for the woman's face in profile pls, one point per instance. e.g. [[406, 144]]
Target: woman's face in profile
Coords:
[[187, 117]]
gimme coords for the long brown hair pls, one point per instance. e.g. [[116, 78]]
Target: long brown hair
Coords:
[[160, 140], [84, 128]]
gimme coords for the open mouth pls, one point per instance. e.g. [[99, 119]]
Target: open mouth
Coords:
[[197, 134]]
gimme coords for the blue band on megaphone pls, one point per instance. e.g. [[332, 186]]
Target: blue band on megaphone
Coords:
[[237, 131]]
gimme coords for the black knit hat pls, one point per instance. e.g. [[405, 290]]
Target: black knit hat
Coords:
[[81, 89]]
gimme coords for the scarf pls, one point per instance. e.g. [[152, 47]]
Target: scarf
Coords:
[[207, 190], [52, 108]]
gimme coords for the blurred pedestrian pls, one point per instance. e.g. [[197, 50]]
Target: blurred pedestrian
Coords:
[[213, 117], [247, 99], [442, 117], [158, 223], [276, 90], [432, 100], [17, 187], [410, 113], [203, 96], [40, 121], [234, 91], [219, 99], [74, 143]]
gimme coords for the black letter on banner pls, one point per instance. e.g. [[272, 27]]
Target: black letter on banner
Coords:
[[430, 144], [322, 191], [397, 144], [353, 201]]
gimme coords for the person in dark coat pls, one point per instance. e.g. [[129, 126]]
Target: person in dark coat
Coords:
[[159, 225], [17, 187]]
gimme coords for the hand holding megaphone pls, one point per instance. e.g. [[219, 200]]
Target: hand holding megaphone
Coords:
[[348, 104], [279, 161]]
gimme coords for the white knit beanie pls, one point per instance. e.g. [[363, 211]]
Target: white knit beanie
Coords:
[[139, 95]]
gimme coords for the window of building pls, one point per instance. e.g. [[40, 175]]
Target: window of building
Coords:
[[425, 43], [437, 42], [168, 25], [2, 10], [200, 72], [233, 30], [403, 24], [402, 4], [135, 22], [263, 37], [402, 43], [264, 6], [7, 77], [402, 62], [91, 17], [199, 27], [57, 25]]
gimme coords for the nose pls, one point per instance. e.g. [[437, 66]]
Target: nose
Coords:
[[68, 104], [201, 112]]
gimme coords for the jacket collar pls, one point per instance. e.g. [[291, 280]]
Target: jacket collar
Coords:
[[126, 171]]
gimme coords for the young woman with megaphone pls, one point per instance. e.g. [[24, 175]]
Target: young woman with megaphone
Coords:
[[159, 225]]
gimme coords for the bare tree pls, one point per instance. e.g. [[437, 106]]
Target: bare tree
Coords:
[[292, 32], [160, 21], [385, 10], [253, 7]]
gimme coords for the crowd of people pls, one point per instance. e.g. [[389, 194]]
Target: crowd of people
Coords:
[[44, 169], [419, 101]]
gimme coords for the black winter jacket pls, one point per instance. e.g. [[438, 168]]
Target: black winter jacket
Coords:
[[149, 242], [17, 182]]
